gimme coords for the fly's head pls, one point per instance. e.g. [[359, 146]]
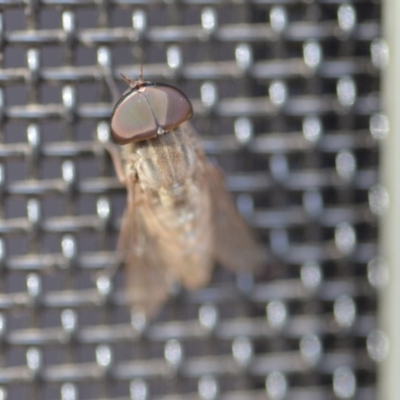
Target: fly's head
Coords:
[[147, 110]]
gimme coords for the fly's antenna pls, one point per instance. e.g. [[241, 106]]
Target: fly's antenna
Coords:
[[134, 84], [141, 73], [126, 79]]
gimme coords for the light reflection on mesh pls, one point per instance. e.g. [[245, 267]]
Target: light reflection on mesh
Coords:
[[286, 97]]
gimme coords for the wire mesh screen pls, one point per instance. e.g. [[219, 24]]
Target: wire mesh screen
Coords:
[[286, 98]]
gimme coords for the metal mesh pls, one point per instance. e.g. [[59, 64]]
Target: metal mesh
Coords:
[[286, 95]]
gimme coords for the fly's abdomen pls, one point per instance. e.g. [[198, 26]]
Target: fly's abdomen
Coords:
[[184, 234]]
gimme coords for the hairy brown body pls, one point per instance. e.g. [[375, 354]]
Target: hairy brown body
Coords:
[[179, 219]]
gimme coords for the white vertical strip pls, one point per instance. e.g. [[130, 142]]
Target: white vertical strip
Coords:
[[389, 374]]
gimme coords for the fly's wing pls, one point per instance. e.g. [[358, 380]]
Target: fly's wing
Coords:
[[148, 281], [235, 245]]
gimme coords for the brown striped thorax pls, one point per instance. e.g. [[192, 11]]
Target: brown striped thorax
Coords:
[[166, 163]]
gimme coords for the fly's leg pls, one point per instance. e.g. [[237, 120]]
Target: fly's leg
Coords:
[[109, 272], [104, 61], [115, 155], [128, 220], [112, 86], [126, 235]]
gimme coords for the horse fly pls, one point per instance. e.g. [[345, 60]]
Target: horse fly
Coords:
[[179, 217]]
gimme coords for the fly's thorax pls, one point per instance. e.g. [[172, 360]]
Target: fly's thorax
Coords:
[[180, 196], [165, 163]]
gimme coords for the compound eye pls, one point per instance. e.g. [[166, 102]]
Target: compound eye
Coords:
[[132, 119], [147, 111], [169, 106]]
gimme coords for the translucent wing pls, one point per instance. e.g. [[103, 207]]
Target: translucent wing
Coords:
[[235, 246], [159, 249], [148, 280]]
